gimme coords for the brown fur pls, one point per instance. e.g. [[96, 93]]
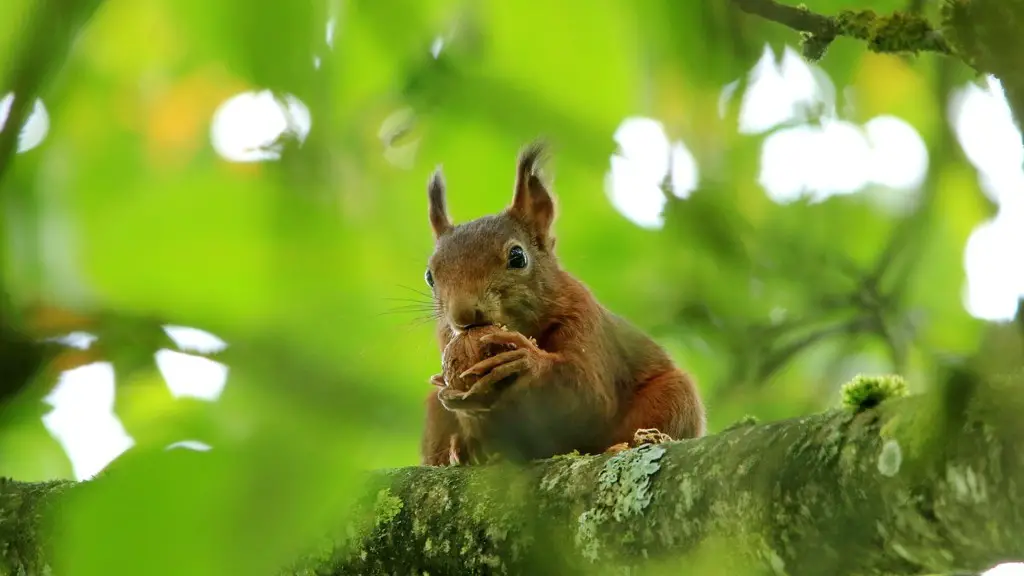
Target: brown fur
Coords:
[[592, 380]]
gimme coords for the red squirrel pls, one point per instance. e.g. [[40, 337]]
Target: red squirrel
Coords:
[[575, 376]]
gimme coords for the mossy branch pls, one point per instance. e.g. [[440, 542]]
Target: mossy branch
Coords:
[[899, 32], [851, 491]]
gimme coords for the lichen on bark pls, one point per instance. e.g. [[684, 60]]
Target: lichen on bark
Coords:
[[623, 491]]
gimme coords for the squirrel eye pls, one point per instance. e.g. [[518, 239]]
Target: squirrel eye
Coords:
[[516, 257], [429, 278]]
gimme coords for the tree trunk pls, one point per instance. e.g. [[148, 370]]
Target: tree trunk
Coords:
[[853, 491], [988, 33]]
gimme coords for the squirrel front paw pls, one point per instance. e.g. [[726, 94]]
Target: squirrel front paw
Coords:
[[525, 358], [464, 401], [640, 437], [650, 436]]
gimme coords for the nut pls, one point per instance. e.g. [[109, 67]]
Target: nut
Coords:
[[465, 350]]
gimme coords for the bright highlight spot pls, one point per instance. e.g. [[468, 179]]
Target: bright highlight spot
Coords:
[[246, 127], [985, 130], [83, 419], [189, 375], [436, 46], [36, 125], [191, 445], [993, 283], [816, 154], [839, 157], [80, 340], [195, 340], [637, 174], [898, 155], [783, 92], [397, 150], [984, 126], [1006, 569], [332, 25], [816, 161]]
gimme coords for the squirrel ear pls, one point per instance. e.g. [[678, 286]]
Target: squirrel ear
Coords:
[[439, 220], [532, 203]]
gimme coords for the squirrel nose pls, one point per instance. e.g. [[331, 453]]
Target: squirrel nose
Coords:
[[465, 314]]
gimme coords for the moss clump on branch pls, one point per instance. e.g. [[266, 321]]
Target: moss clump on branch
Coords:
[[865, 392], [388, 506], [896, 32], [814, 46]]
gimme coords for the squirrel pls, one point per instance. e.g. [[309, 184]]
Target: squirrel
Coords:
[[574, 376]]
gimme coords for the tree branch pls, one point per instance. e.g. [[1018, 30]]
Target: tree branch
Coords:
[[800, 19], [873, 490], [893, 33]]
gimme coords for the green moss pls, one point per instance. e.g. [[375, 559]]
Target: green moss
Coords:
[[573, 454], [857, 23], [896, 32], [23, 511], [903, 32], [814, 46], [388, 506], [865, 392], [558, 474]]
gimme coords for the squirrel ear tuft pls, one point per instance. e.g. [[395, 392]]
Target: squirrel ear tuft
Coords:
[[531, 202], [439, 220]]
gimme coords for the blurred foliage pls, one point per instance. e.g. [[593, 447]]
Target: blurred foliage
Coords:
[[125, 218]]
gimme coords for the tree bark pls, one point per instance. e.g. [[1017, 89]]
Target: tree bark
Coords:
[[853, 491], [987, 33]]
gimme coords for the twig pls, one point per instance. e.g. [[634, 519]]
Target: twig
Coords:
[[800, 19], [783, 354], [898, 32]]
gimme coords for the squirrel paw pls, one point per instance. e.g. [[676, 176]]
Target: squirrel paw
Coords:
[[525, 358], [650, 436], [640, 437], [485, 390], [468, 401], [487, 364], [438, 380], [516, 339], [616, 448]]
